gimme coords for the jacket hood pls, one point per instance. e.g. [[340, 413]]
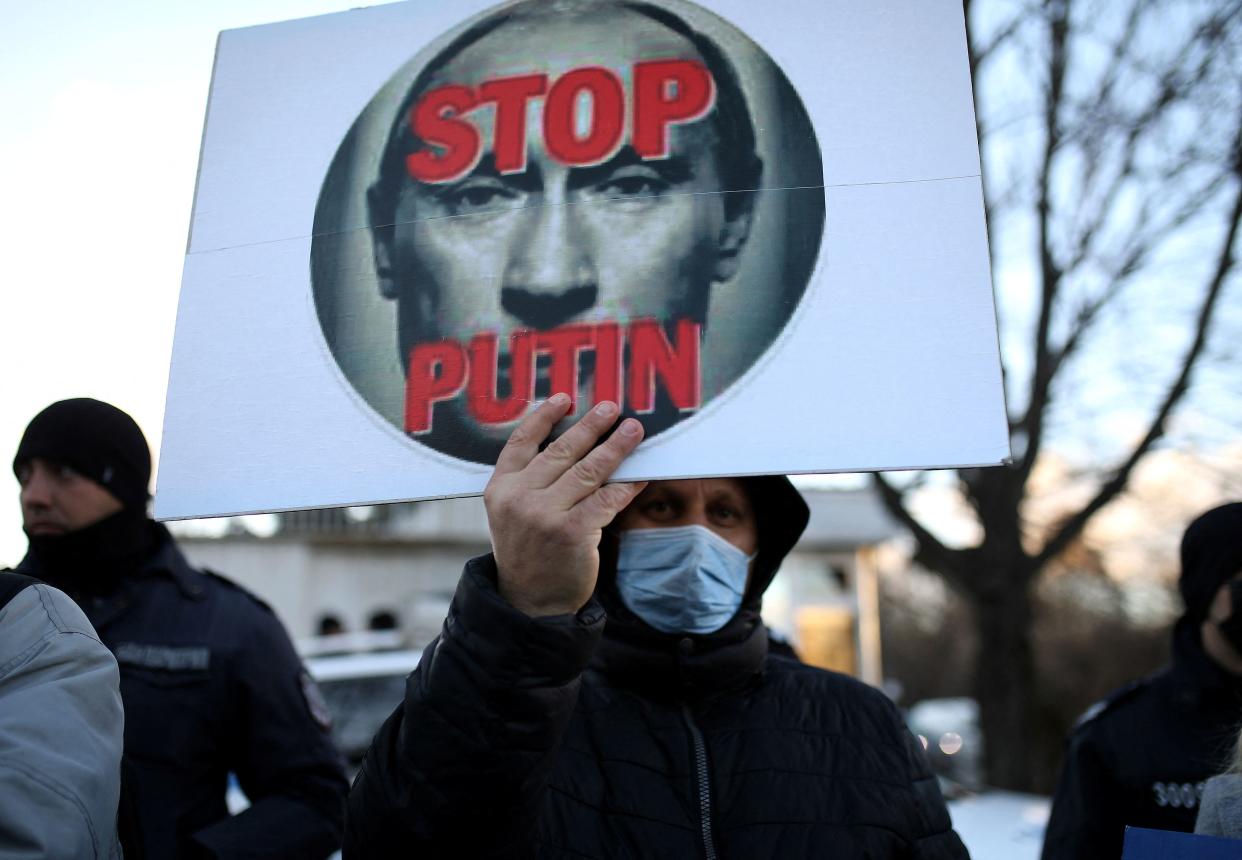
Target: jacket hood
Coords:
[[1211, 555], [781, 516]]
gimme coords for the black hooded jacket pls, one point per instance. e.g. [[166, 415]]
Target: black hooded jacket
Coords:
[[563, 737], [1141, 757]]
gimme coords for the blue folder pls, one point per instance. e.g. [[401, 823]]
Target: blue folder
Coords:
[[1144, 844]]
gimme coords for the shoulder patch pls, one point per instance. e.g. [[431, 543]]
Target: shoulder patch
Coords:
[[1111, 701], [315, 702]]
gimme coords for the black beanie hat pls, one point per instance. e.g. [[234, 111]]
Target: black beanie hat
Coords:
[[96, 439], [1211, 556]]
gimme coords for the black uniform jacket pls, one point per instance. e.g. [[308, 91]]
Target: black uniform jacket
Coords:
[[508, 745], [212, 685], [1142, 757]]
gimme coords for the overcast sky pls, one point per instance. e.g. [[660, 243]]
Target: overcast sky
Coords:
[[102, 112]]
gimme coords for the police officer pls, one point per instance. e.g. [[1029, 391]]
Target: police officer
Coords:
[[1142, 756], [209, 680]]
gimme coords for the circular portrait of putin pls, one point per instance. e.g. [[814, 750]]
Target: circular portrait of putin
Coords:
[[619, 200]]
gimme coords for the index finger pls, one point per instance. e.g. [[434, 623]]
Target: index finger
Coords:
[[523, 443]]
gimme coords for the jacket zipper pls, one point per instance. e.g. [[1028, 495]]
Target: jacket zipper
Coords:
[[702, 783]]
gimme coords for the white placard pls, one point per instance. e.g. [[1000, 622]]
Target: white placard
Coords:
[[759, 227]]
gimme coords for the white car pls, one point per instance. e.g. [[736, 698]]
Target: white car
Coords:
[[361, 691]]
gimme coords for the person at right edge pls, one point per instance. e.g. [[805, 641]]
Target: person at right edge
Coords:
[[1220, 807], [533, 729], [1141, 758]]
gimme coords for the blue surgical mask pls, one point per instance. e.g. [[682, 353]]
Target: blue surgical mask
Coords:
[[681, 580]]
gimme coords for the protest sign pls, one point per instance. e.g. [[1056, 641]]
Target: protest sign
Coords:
[[758, 227]]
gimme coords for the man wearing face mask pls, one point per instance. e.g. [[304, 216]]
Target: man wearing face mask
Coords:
[[1141, 757], [532, 728]]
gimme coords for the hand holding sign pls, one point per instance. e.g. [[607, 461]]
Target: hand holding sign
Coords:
[[547, 509]]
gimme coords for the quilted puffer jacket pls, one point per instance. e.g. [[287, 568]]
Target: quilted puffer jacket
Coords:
[[558, 738]]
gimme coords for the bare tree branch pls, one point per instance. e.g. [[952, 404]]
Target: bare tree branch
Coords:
[[1050, 275], [980, 54], [931, 553], [1116, 482], [1143, 246], [1174, 87], [1090, 137]]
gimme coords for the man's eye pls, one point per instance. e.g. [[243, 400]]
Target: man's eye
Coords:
[[732, 513], [657, 508], [632, 185], [66, 473], [477, 197]]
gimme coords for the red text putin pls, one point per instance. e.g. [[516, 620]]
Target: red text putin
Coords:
[[444, 369]]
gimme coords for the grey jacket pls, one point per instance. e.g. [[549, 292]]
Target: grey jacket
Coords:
[[1220, 810], [61, 727]]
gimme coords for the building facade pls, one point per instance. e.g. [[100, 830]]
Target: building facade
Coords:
[[393, 569]]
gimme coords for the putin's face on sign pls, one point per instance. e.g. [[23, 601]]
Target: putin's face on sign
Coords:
[[542, 267], [617, 199]]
